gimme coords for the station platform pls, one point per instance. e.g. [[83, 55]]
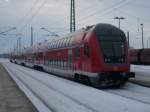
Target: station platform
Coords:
[[12, 99], [139, 79], [142, 75]]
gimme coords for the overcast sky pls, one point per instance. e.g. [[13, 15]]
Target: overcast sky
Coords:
[[54, 15]]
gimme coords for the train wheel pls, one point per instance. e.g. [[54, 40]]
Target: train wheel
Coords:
[[119, 83], [82, 79]]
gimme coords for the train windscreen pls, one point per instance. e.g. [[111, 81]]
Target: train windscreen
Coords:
[[113, 51]]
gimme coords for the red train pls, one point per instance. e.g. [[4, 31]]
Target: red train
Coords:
[[98, 54], [140, 56]]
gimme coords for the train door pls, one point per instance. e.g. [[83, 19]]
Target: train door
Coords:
[[78, 58], [86, 57], [70, 59]]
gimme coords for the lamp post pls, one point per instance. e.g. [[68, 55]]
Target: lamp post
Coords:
[[119, 18], [142, 36], [53, 33], [3, 33]]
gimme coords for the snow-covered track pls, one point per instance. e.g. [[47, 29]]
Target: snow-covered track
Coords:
[[56, 90], [61, 95], [82, 106], [133, 91]]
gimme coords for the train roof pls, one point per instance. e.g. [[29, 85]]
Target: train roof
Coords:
[[107, 29], [99, 29]]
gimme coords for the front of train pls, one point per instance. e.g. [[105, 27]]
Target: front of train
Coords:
[[114, 66]]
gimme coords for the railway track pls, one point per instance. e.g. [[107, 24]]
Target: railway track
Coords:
[[60, 95]]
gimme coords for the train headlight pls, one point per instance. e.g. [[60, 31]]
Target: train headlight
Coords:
[[107, 60]]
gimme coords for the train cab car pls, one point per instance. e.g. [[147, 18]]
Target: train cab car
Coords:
[[103, 55]]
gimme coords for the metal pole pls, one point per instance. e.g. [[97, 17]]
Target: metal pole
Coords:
[[19, 43], [31, 36], [128, 39], [142, 36], [147, 43], [72, 16], [119, 23]]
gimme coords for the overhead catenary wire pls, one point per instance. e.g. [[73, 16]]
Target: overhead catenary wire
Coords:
[[33, 15], [104, 11], [22, 20]]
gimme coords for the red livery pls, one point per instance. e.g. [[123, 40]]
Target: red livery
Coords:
[[98, 53]]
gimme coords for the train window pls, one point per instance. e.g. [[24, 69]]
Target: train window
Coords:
[[52, 46], [77, 52], [57, 62], [61, 63], [49, 46], [86, 50], [59, 43], [55, 44], [62, 44], [71, 41], [52, 62], [48, 62], [67, 42]]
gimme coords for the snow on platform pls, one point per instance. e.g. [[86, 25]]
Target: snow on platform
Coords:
[[142, 74], [53, 94]]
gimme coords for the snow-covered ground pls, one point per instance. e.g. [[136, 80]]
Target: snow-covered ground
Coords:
[[141, 70], [53, 94], [142, 75]]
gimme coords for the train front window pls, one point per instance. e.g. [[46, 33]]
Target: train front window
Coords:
[[113, 50]]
